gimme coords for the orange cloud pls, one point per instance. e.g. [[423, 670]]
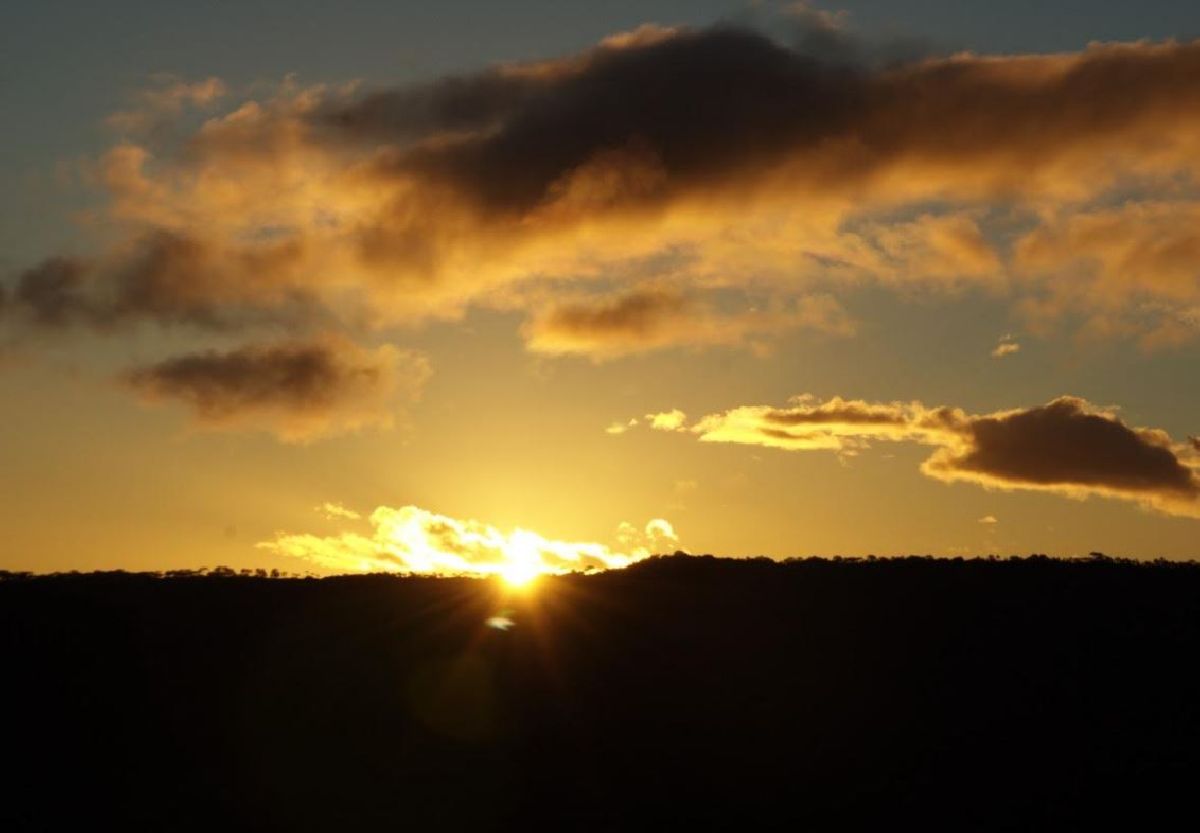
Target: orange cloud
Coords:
[[414, 540], [1067, 446]]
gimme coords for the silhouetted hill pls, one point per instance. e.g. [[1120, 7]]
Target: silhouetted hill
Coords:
[[914, 693]]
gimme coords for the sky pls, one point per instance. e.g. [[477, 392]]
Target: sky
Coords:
[[509, 288]]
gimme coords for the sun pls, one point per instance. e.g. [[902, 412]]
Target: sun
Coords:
[[519, 575], [522, 559]]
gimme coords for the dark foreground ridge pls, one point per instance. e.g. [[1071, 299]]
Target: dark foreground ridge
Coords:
[[1025, 694]]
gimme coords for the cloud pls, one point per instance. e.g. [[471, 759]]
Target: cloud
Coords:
[[649, 319], [1067, 446], [1138, 250], [840, 425], [299, 391], [166, 98], [989, 520], [617, 428], [415, 540], [667, 420], [722, 157], [1071, 447], [743, 134], [335, 511], [1005, 347], [49, 292], [170, 278]]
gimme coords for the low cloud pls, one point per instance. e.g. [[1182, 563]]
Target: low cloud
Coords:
[[1067, 446], [414, 540], [297, 390]]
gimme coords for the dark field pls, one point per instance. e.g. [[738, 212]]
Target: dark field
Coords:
[[905, 694]]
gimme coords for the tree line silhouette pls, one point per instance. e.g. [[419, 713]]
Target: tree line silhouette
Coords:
[[973, 694]]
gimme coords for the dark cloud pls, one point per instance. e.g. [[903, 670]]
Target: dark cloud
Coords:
[[716, 106], [299, 390], [703, 106], [1066, 443]]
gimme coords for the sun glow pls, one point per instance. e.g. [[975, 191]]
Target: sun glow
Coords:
[[523, 554], [519, 575], [414, 540]]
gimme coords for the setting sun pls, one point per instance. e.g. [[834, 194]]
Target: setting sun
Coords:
[[519, 575]]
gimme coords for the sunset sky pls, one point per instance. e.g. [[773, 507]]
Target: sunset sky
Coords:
[[452, 287]]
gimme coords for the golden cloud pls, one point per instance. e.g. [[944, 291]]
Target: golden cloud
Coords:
[[414, 540]]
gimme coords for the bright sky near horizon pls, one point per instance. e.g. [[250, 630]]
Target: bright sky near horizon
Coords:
[[458, 286]]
